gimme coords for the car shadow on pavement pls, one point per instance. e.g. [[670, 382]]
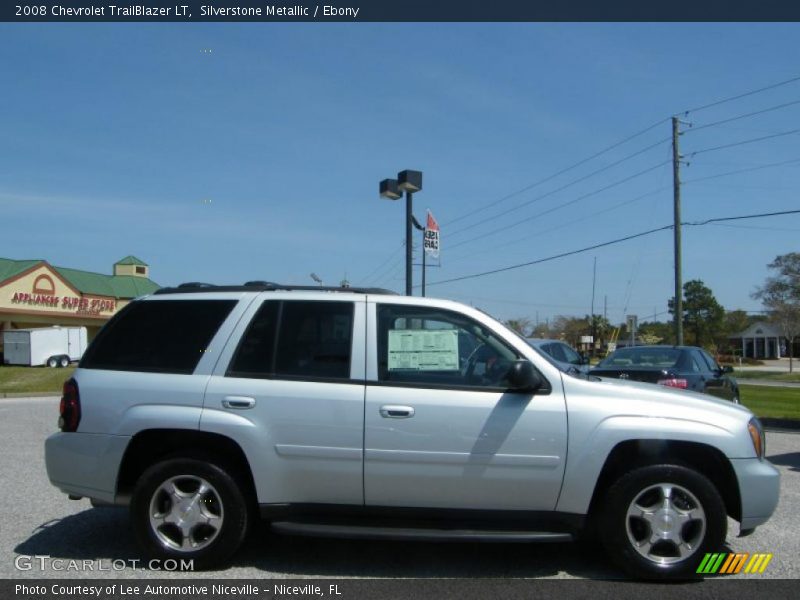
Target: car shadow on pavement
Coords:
[[329, 557], [790, 459], [94, 533], [104, 533]]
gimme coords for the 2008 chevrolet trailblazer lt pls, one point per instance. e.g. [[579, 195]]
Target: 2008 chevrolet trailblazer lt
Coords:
[[359, 413]]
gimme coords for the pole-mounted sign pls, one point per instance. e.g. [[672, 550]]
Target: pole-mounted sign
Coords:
[[432, 236]]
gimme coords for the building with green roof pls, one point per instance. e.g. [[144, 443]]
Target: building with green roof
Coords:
[[34, 293]]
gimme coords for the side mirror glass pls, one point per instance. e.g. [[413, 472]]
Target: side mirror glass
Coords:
[[727, 369], [524, 377]]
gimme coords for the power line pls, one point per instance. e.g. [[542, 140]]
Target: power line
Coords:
[[742, 142], [563, 225], [739, 218], [555, 256], [563, 205], [744, 95], [560, 189], [739, 117], [746, 170], [554, 175], [611, 242], [379, 267]]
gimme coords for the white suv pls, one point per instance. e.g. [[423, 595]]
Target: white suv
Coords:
[[347, 412]]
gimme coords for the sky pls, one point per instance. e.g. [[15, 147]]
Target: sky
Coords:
[[234, 152]]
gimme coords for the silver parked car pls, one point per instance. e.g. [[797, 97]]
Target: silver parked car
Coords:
[[355, 412]]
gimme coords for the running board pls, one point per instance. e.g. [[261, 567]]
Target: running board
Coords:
[[404, 533]]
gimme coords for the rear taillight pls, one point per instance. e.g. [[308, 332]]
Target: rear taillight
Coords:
[[70, 409], [674, 382]]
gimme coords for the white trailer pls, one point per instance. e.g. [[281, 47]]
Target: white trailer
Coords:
[[51, 346]]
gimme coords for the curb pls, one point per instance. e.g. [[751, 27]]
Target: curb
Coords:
[[773, 423], [29, 394]]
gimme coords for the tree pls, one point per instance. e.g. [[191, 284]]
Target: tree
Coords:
[[734, 322], [656, 332], [570, 329], [522, 325], [702, 314], [780, 295], [542, 330]]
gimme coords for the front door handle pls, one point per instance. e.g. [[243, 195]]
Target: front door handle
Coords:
[[238, 402], [392, 411]]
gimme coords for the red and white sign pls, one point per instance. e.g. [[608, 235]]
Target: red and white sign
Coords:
[[432, 236]]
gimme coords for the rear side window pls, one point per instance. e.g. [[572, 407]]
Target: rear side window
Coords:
[[160, 336], [297, 340]]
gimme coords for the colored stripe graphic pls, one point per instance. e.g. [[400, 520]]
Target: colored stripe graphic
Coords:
[[730, 564], [734, 563], [758, 563]]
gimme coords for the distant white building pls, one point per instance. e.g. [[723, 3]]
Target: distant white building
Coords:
[[761, 340]]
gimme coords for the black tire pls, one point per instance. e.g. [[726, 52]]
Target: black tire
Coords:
[[52, 362], [207, 546], [628, 539], [63, 362]]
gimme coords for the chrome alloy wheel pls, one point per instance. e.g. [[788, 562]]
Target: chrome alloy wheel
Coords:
[[665, 523], [186, 513]]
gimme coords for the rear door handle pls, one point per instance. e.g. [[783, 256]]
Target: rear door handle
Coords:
[[392, 411], [238, 402]]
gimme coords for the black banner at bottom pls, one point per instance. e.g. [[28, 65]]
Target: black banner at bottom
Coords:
[[388, 589]]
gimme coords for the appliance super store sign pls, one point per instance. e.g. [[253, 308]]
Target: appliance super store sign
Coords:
[[76, 304]]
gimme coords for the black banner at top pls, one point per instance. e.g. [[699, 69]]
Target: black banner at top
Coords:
[[399, 10]]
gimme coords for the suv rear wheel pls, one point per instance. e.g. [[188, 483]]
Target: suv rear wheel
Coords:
[[189, 509], [659, 521]]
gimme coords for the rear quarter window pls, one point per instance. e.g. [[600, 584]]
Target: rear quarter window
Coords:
[[160, 336]]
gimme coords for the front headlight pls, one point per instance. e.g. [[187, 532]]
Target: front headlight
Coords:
[[757, 436]]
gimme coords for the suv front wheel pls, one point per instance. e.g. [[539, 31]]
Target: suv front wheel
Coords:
[[659, 521], [189, 509]]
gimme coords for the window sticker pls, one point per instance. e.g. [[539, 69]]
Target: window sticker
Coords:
[[423, 350]]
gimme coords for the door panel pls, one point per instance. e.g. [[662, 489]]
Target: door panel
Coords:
[[469, 446], [462, 449], [293, 404]]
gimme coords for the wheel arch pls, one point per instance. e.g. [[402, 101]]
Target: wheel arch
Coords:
[[703, 458], [152, 445]]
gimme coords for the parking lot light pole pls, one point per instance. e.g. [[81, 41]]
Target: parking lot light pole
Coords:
[[409, 182]]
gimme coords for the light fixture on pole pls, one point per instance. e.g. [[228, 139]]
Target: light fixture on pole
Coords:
[[407, 181]]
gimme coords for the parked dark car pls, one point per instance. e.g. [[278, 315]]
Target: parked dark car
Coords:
[[563, 355], [685, 367]]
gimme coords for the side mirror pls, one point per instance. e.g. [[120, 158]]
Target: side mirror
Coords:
[[524, 377], [727, 369]]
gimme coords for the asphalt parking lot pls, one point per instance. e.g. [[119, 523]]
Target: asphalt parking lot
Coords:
[[38, 520]]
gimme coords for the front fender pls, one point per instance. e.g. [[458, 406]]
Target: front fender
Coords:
[[588, 453]]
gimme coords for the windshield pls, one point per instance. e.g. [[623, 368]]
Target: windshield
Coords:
[[642, 357]]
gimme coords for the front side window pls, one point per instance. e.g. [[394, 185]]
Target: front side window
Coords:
[[437, 347], [297, 340], [712, 364], [571, 356]]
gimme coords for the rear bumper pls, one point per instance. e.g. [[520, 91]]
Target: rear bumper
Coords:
[[85, 464], [759, 487]]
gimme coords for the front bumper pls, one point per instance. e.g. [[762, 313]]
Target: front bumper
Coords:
[[85, 464], [759, 487]]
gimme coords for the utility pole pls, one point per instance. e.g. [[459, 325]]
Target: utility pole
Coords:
[[594, 279], [676, 187], [409, 256]]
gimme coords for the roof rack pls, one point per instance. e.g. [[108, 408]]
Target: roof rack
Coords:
[[264, 286]]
